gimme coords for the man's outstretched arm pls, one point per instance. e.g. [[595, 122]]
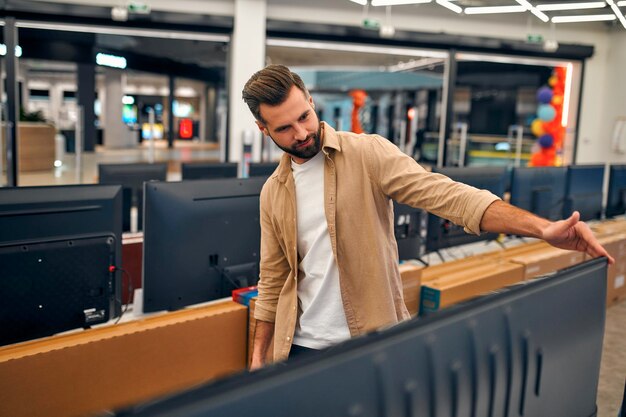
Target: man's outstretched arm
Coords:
[[571, 233]]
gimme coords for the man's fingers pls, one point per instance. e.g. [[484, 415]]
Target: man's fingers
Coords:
[[594, 248], [573, 219]]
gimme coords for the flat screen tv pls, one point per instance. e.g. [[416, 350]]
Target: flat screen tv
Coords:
[[201, 240], [56, 247]]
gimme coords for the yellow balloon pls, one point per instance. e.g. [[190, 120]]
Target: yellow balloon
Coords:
[[537, 127], [552, 81], [557, 100]]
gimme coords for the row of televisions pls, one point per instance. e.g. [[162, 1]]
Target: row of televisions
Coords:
[[60, 246]]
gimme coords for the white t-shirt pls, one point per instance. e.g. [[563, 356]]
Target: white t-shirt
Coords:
[[321, 318]]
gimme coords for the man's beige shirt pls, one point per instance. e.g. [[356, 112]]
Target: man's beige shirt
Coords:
[[362, 173]]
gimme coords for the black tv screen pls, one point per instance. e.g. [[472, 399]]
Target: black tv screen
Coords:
[[201, 240], [131, 177], [540, 190], [409, 231], [616, 199], [583, 191], [442, 233], [56, 246], [209, 170], [262, 169]]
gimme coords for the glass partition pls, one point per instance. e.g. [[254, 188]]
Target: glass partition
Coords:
[[394, 92]]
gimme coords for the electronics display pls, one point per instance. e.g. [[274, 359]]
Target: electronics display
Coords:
[[443, 233], [540, 190], [583, 191], [209, 170], [409, 231], [522, 351], [56, 246], [262, 169], [201, 240], [146, 131], [616, 200], [131, 177]]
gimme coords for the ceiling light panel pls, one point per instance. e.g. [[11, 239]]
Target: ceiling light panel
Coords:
[[583, 18], [397, 2], [618, 13], [571, 6], [495, 9], [449, 5]]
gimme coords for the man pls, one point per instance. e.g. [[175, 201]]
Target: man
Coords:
[[328, 254]]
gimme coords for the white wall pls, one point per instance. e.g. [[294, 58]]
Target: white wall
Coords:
[[615, 100]]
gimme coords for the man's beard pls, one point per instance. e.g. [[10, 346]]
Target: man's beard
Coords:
[[307, 152]]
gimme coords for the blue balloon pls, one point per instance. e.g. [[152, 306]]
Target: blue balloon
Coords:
[[546, 141], [544, 95], [546, 112]]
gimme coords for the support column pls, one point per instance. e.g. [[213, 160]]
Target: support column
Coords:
[[12, 116], [447, 119], [210, 116], [116, 133], [171, 129], [86, 98], [247, 55]]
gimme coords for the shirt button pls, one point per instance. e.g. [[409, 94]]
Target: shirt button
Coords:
[[288, 338]]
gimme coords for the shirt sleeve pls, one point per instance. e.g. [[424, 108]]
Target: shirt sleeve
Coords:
[[274, 267], [401, 178]]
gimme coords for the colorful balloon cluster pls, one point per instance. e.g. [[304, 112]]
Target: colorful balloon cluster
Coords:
[[547, 126]]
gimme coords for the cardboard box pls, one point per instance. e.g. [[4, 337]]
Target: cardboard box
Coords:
[[609, 227], [411, 275], [546, 260], [465, 284], [117, 366], [252, 332], [522, 249], [616, 285], [438, 271]]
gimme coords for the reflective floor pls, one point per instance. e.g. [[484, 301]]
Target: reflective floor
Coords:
[[68, 173]]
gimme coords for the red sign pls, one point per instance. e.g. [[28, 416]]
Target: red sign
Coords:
[[185, 129]]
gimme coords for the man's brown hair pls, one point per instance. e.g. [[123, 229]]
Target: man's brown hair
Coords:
[[270, 86]]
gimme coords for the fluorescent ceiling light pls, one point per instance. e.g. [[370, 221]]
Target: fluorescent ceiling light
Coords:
[[542, 16], [495, 9], [618, 13], [621, 3], [332, 46], [110, 30], [571, 6], [361, 2], [112, 61], [449, 5], [397, 2], [583, 18]]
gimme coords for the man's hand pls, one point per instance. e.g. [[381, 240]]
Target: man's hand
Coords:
[[573, 234]]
